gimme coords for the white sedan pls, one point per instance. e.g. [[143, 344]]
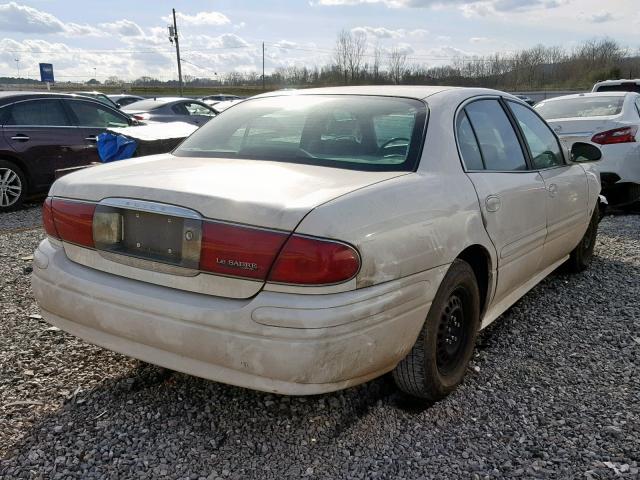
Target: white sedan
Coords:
[[303, 242], [612, 120]]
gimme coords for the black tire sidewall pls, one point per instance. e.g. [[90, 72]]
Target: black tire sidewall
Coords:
[[460, 275], [23, 180]]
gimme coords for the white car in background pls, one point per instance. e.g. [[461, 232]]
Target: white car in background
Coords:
[[610, 120], [303, 242], [621, 85]]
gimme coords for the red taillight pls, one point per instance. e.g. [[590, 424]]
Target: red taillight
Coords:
[[311, 261], [47, 219], [618, 135], [141, 116], [239, 251], [73, 221]]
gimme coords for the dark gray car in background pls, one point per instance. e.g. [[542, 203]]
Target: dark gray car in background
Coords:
[[170, 109], [45, 132]]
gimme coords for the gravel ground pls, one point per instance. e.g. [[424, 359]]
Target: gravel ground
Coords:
[[29, 217], [553, 392]]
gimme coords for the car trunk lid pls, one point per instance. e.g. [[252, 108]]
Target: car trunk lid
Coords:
[[159, 201]]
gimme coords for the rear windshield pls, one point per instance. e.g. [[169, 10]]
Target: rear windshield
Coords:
[[145, 105], [344, 131], [580, 107], [622, 87]]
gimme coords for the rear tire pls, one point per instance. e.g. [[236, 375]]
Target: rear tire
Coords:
[[582, 255], [438, 361], [13, 186]]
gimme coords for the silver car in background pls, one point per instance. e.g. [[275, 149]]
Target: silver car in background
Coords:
[[170, 109], [612, 121], [303, 242]]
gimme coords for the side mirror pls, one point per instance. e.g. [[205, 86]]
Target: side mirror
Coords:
[[585, 152]]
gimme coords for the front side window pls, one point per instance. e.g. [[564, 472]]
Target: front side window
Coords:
[[42, 112], [344, 131], [578, 107], [499, 144], [90, 114], [543, 145]]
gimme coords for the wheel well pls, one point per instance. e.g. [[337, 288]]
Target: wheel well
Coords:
[[480, 261], [20, 164]]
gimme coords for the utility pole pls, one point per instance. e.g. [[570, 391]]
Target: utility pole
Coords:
[[263, 89], [17, 66], [173, 37]]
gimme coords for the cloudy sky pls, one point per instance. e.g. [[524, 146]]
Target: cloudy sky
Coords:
[[128, 39]]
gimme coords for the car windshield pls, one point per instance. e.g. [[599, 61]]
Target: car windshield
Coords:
[[580, 107], [343, 131]]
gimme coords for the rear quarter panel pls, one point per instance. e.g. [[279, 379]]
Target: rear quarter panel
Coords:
[[405, 225]]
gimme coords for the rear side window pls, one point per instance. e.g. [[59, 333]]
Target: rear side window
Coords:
[[344, 131], [468, 143], [93, 115], [580, 107], [197, 109], [499, 144], [179, 109], [543, 145], [45, 112]]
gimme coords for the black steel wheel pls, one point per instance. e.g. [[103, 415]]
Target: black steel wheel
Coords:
[[582, 255], [438, 361]]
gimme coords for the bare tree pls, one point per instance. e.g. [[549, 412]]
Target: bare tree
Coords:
[[377, 59], [397, 64], [357, 49], [341, 53], [349, 54]]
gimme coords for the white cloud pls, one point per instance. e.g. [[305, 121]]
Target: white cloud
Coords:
[[24, 19], [480, 40], [601, 17], [214, 19], [378, 32], [383, 32], [125, 28], [470, 7]]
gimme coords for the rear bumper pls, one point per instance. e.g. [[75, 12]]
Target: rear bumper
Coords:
[[276, 342]]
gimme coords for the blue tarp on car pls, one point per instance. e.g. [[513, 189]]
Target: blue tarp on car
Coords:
[[112, 147]]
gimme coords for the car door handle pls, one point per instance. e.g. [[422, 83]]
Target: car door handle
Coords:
[[493, 203], [553, 189], [20, 138], [92, 138]]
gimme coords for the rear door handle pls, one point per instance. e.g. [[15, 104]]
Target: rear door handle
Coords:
[[92, 138], [493, 203], [20, 138]]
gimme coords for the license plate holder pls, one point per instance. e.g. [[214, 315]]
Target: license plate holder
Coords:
[[158, 235]]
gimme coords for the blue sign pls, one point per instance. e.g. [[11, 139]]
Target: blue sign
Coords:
[[46, 72]]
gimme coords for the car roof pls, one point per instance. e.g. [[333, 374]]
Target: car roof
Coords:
[[410, 91], [590, 95], [618, 82], [8, 96], [418, 92]]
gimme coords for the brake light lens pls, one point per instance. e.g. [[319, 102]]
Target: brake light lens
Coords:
[[141, 116], [72, 221], [312, 261], [239, 251], [47, 219], [618, 135]]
